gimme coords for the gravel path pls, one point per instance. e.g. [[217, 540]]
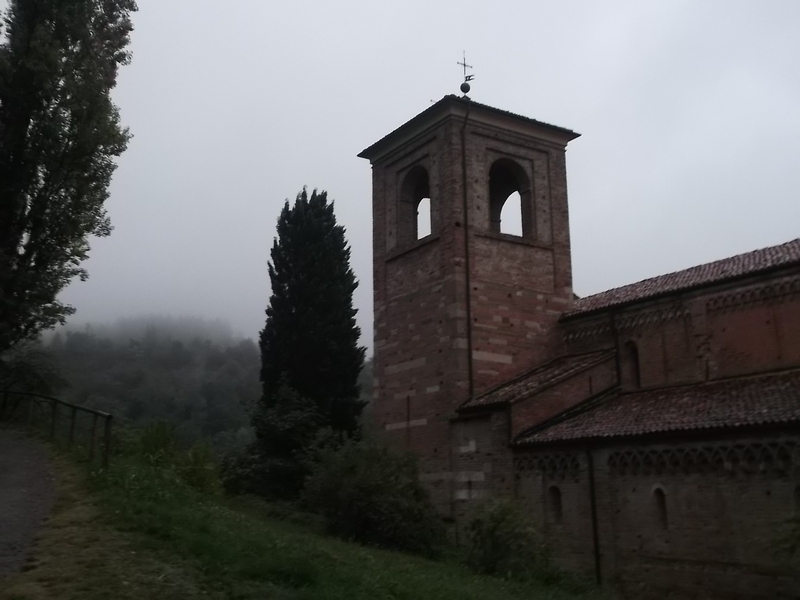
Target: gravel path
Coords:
[[27, 492]]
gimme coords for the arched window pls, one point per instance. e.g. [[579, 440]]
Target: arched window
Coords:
[[660, 507], [423, 218], [630, 367], [414, 216], [509, 199], [556, 509], [511, 215]]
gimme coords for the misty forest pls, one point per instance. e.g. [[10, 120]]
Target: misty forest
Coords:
[[190, 372]]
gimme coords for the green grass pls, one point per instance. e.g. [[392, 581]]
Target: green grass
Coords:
[[139, 532], [80, 555]]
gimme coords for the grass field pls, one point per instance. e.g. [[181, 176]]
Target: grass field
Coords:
[[138, 533]]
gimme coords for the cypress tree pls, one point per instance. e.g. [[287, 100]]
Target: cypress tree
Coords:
[[310, 341]]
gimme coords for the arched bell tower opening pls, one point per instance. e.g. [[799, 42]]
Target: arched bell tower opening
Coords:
[[469, 304], [511, 215], [509, 199], [414, 207]]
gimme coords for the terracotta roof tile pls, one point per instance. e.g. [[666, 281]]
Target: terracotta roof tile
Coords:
[[749, 263], [537, 378], [758, 400]]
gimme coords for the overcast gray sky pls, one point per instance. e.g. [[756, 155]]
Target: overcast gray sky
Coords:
[[690, 115]]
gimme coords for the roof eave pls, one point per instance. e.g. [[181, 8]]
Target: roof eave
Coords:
[[602, 356], [661, 433], [567, 316], [573, 411], [458, 107]]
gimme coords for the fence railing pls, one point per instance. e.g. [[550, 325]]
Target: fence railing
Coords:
[[50, 412]]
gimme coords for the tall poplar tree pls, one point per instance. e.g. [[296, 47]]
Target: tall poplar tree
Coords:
[[310, 342], [59, 135]]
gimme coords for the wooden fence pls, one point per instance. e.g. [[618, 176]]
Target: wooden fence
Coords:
[[50, 412]]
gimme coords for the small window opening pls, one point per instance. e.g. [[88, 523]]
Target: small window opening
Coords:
[[509, 199], [632, 372], [661, 507], [511, 215], [556, 509], [423, 218]]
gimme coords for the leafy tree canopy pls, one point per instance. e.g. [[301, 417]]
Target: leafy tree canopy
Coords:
[[310, 341], [59, 134]]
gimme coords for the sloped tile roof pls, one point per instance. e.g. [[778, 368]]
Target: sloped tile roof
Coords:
[[453, 99], [758, 400], [749, 263], [538, 378]]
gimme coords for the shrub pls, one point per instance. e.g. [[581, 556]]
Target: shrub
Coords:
[[246, 472], [156, 443], [503, 540], [367, 494], [159, 456], [278, 464], [198, 469]]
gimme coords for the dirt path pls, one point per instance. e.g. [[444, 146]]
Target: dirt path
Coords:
[[80, 555], [27, 493]]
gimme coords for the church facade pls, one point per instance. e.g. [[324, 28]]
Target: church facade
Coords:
[[653, 429]]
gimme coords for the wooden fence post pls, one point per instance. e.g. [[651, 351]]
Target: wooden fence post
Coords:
[[107, 444], [73, 420], [94, 437], [72, 426]]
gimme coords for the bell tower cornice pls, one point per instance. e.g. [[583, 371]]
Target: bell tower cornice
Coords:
[[458, 108]]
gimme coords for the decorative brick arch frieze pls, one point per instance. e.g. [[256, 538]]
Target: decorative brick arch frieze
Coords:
[[774, 291], [752, 458], [557, 466], [644, 318], [586, 332], [627, 322]]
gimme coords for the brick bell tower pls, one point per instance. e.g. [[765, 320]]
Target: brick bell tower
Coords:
[[464, 307]]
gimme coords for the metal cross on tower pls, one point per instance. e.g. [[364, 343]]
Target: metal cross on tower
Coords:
[[467, 78]]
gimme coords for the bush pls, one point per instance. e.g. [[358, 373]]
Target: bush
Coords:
[[198, 469], [503, 540], [246, 472], [155, 443], [156, 448], [277, 464], [367, 494]]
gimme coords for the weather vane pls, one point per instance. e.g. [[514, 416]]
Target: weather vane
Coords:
[[467, 78]]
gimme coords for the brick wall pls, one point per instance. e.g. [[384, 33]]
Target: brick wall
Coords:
[[754, 328], [519, 285], [482, 460], [554, 487], [725, 506], [420, 362], [721, 331]]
